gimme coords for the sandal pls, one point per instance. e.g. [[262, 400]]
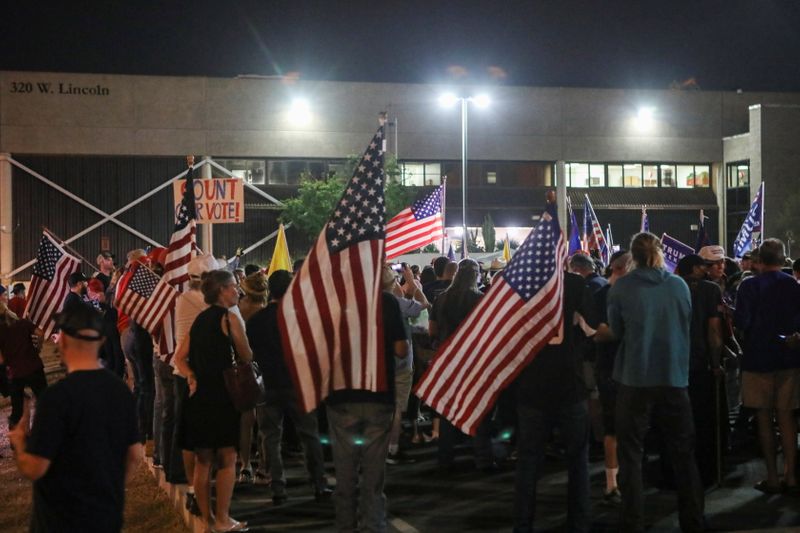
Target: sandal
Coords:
[[766, 488], [235, 526]]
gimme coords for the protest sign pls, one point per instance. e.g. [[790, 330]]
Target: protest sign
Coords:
[[218, 201]]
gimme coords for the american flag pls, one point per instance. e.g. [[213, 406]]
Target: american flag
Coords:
[[596, 239], [519, 315], [182, 243], [145, 297], [49, 284], [331, 319], [416, 226]]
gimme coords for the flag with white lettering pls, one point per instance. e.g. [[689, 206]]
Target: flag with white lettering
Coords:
[[331, 318], [49, 283], [752, 223], [674, 250], [519, 315]]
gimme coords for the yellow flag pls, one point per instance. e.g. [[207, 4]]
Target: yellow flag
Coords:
[[280, 257], [506, 250]]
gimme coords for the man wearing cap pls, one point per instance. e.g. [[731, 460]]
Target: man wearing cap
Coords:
[[84, 440], [18, 301], [77, 290], [714, 257], [706, 387], [105, 267]]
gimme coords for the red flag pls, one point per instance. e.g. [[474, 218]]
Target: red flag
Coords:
[[510, 325], [416, 226], [145, 297], [331, 318], [49, 283]]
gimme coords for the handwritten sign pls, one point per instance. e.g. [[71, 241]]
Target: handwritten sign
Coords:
[[218, 201]]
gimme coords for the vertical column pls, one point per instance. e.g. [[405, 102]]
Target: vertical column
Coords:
[[207, 230], [6, 218], [561, 195]]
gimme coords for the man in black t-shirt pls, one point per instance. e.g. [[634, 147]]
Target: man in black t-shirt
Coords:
[[359, 423], [551, 392], [83, 441], [444, 275]]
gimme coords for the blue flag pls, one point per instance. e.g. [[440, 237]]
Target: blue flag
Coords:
[[451, 255], [753, 222], [645, 225], [702, 236], [674, 251], [574, 236]]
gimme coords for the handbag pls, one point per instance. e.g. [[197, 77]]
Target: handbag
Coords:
[[242, 379]]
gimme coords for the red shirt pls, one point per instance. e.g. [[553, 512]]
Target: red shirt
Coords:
[[17, 348], [17, 305]]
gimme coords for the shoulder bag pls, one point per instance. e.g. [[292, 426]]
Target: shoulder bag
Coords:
[[243, 380]]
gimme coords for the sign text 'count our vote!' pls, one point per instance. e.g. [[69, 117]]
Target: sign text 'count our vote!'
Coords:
[[218, 201]]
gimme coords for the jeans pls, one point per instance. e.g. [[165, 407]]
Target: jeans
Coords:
[[535, 427], [16, 389], [138, 347], [360, 439], [673, 415], [270, 423], [449, 435]]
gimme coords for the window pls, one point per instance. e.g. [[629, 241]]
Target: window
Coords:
[[650, 175], [615, 175], [578, 174], [491, 177], [702, 176], [252, 170], [632, 175], [739, 174], [597, 175], [420, 174], [685, 176], [668, 176]]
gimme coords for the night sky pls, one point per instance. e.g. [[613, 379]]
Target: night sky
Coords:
[[731, 44]]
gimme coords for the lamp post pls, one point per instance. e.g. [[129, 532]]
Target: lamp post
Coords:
[[481, 101]]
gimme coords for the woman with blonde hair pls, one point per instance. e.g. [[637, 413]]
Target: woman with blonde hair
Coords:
[[212, 421]]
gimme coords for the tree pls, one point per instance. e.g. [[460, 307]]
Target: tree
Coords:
[[316, 198], [489, 236]]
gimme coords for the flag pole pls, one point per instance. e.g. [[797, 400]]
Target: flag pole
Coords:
[[69, 248], [444, 219]]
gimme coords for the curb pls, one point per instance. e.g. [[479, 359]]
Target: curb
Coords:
[[176, 495]]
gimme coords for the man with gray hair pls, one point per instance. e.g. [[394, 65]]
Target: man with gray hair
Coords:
[[584, 266], [768, 310]]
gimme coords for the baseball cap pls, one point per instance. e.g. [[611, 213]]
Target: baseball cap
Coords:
[[76, 277], [80, 317], [687, 264], [107, 254], [712, 253]]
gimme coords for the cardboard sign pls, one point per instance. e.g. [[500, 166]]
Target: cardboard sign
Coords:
[[218, 201]]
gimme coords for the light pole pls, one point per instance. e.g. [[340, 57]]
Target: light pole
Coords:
[[447, 100]]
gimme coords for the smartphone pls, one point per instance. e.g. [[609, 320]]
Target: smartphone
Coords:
[[782, 337], [398, 267]]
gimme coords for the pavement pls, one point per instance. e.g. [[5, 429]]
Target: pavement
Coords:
[[422, 500]]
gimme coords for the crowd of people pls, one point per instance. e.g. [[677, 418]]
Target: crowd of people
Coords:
[[640, 347]]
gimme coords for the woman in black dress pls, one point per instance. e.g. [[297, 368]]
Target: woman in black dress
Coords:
[[212, 420]]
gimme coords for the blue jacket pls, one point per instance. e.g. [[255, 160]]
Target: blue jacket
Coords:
[[650, 311]]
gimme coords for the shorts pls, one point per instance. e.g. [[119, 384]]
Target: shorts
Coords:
[[402, 389], [771, 390]]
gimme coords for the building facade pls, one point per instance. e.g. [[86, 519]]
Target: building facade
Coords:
[[78, 148]]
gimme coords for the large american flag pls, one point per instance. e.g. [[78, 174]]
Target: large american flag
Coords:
[[519, 315], [331, 319], [145, 298], [49, 283], [416, 226], [182, 243]]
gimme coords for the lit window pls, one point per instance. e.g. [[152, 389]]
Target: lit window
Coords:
[[702, 176], [491, 177], [251, 170], [650, 175], [615, 175], [668, 176], [597, 175], [685, 176], [578, 174], [633, 175]]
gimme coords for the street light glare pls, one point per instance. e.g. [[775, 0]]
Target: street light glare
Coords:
[[300, 111], [448, 100], [645, 118], [482, 100]]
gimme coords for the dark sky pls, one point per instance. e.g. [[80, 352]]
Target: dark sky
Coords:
[[725, 44]]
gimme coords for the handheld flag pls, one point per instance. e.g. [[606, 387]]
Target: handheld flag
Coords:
[[519, 315], [49, 285], [645, 225], [610, 239], [575, 244], [331, 319], [280, 257], [702, 236], [674, 251], [753, 222], [596, 239], [145, 297], [416, 226], [182, 244]]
